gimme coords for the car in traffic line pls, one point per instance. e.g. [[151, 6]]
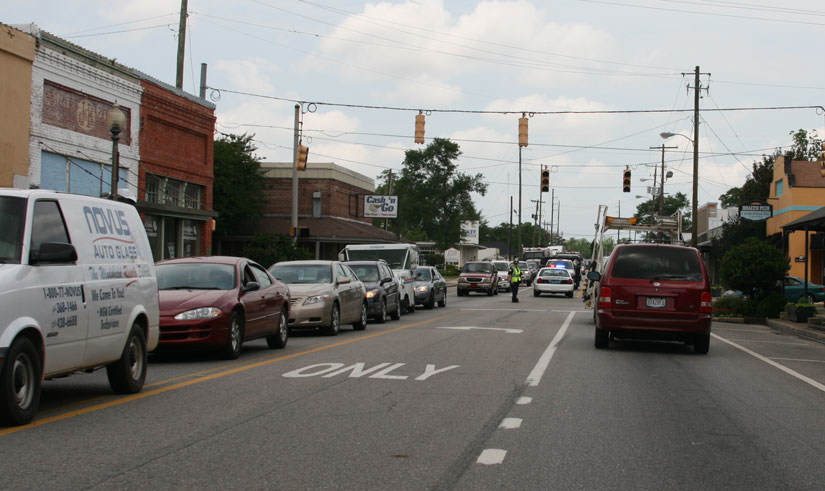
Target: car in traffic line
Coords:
[[477, 276], [323, 294], [430, 287], [653, 291], [553, 280], [383, 289], [502, 269], [220, 302]]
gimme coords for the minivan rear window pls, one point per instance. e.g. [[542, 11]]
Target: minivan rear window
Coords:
[[657, 263]]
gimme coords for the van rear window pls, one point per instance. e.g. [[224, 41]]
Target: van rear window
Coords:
[[657, 263]]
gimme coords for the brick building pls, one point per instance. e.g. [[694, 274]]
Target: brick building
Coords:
[[175, 178], [330, 209]]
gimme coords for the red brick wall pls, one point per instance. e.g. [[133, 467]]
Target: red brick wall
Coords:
[[176, 138], [335, 198]]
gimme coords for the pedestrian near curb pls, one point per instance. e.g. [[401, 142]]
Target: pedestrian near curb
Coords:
[[515, 279]]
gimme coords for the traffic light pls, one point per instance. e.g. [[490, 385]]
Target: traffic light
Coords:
[[545, 180], [522, 131], [626, 181], [419, 127], [303, 155]]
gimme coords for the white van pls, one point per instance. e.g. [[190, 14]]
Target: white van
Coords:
[[401, 258], [77, 292]]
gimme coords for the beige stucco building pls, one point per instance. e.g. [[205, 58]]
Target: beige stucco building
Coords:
[[17, 51], [798, 188]]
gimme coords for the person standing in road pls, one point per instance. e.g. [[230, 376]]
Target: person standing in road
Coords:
[[515, 279]]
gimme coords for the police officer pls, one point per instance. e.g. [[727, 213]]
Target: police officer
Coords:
[[515, 279]]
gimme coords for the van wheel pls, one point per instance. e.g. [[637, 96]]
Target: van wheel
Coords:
[[126, 375], [234, 338], [602, 338], [410, 306], [20, 383], [701, 344], [279, 339]]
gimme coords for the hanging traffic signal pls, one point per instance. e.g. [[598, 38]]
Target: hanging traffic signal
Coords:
[[545, 180], [419, 127], [522, 131], [303, 155], [626, 180]]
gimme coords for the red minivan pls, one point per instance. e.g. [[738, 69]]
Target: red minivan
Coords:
[[654, 291]]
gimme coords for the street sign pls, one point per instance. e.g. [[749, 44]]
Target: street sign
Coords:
[[380, 206], [756, 210]]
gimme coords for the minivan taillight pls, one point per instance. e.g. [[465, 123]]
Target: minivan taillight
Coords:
[[705, 303], [605, 299]]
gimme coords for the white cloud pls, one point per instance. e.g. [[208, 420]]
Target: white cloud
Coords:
[[249, 75]]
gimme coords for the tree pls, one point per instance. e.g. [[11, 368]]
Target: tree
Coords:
[[806, 145], [648, 210], [238, 189], [268, 249], [753, 267], [757, 185], [433, 197]]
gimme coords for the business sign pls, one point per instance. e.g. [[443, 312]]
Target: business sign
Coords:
[[756, 210], [380, 206], [469, 232], [452, 256]]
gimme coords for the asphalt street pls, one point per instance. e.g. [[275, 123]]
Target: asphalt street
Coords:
[[481, 394]]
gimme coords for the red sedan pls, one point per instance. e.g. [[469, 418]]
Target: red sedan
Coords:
[[218, 302]]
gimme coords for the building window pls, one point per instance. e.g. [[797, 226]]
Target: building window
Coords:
[[164, 190], [78, 176], [171, 192], [152, 188], [192, 196], [779, 187]]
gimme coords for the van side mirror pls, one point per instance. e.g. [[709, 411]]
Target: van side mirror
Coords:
[[594, 276], [53, 252]]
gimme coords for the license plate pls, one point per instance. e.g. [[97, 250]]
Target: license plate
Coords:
[[656, 302], [555, 282], [473, 285]]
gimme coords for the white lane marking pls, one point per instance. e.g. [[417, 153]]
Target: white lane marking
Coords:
[[796, 359], [522, 310], [524, 400], [768, 342], [740, 330], [491, 456], [469, 328], [793, 373], [510, 423], [535, 376]]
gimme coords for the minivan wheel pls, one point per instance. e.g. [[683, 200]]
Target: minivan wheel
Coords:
[[602, 338], [126, 375], [20, 383], [701, 344]]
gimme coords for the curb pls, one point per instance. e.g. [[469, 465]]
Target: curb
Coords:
[[801, 331]]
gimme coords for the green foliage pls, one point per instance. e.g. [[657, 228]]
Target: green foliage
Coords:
[[766, 305], [770, 304], [434, 259], [753, 266], [730, 305], [757, 185], [433, 196], [450, 271], [268, 249], [238, 188], [648, 210], [806, 145]]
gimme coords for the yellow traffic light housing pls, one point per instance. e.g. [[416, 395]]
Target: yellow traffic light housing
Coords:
[[419, 127], [626, 180], [545, 180], [522, 131], [303, 155]]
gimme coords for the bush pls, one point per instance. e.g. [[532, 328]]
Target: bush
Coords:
[[451, 270], [764, 305], [434, 259], [752, 267], [770, 305]]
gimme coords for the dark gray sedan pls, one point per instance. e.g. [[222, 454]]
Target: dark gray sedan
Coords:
[[430, 287]]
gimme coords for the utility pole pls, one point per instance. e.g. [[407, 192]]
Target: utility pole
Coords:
[[389, 193], [181, 43], [518, 245], [535, 220], [541, 228], [662, 185], [510, 233], [296, 143], [552, 214], [697, 87]]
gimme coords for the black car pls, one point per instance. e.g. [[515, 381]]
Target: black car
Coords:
[[383, 289], [430, 287]]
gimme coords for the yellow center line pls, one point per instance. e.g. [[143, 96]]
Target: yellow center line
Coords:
[[219, 374]]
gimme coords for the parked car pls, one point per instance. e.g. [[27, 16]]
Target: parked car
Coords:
[[477, 276], [220, 302], [553, 280], [323, 294], [653, 291], [430, 287], [383, 289], [794, 288], [502, 269], [77, 292]]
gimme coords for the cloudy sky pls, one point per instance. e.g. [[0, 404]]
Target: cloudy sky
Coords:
[[587, 70]]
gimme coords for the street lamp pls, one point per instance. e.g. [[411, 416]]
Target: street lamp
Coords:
[[693, 218], [115, 121]]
